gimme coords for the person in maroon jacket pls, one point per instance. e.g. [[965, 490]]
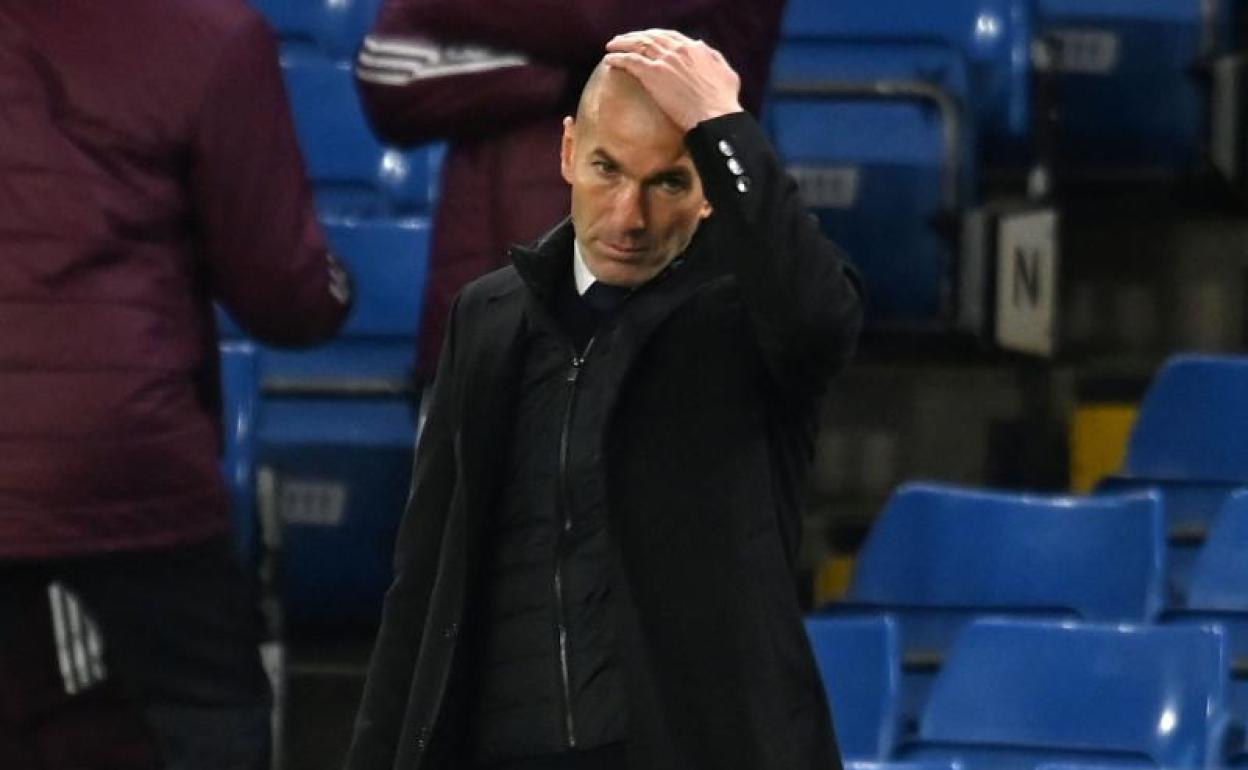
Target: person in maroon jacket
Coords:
[[148, 167], [494, 77]]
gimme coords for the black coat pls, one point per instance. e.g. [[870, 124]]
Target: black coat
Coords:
[[720, 367]]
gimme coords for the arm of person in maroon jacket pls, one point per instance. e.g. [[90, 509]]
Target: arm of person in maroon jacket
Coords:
[[432, 69], [263, 247], [414, 88], [569, 31]]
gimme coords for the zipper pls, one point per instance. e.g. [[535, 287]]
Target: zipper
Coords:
[[565, 525]]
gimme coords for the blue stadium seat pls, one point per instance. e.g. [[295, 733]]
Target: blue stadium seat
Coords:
[[1128, 85], [333, 27], [876, 138], [1189, 442], [1191, 422], [939, 557], [860, 662], [1016, 694], [352, 173], [240, 391], [339, 428], [1218, 594], [994, 36], [1189, 507]]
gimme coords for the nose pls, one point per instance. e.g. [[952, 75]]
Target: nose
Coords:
[[629, 209]]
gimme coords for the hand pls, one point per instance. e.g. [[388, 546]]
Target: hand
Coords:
[[689, 80]]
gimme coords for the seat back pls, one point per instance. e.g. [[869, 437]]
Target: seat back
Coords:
[[875, 136], [352, 173], [860, 663], [1220, 574], [1127, 78], [1019, 693], [995, 37], [1189, 508], [240, 391], [942, 547], [1191, 422]]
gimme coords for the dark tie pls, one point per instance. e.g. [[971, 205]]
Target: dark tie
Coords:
[[603, 299]]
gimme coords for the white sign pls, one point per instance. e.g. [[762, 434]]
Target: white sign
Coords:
[[1086, 52], [1027, 263], [827, 187], [312, 503]]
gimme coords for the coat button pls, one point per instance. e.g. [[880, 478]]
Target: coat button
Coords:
[[726, 148], [743, 184], [735, 166], [450, 631]]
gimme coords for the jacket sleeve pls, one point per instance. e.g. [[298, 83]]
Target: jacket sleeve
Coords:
[[803, 300], [415, 88], [555, 30], [264, 250], [383, 707]]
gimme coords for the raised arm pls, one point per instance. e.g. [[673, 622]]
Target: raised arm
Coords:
[[256, 225], [803, 300], [415, 86]]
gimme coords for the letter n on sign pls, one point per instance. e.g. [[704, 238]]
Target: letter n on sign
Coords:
[[1027, 264]]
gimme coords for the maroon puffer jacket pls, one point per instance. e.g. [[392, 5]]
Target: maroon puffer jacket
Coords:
[[147, 165], [495, 77]]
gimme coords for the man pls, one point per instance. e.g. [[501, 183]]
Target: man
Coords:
[[596, 565], [493, 78], [147, 167]]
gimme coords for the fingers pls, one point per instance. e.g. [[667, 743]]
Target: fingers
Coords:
[[652, 43], [636, 64]]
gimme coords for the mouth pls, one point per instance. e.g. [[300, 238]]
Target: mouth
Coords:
[[623, 251]]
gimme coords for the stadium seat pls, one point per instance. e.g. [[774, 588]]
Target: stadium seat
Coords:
[[352, 173], [339, 426], [994, 37], [334, 28], [1190, 425], [240, 391], [876, 138], [1218, 594], [939, 557], [1129, 80], [860, 663], [1189, 443], [1017, 694]]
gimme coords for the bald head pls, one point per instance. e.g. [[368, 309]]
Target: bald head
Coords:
[[613, 92]]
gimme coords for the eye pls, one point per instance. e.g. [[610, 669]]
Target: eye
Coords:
[[604, 167], [674, 185]]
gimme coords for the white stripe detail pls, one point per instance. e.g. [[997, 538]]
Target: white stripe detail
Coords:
[[399, 61], [414, 73], [76, 639], [56, 604], [95, 649], [403, 46]]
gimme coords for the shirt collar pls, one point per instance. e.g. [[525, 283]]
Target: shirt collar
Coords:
[[580, 270]]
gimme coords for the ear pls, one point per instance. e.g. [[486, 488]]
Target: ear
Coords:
[[567, 149], [706, 210]]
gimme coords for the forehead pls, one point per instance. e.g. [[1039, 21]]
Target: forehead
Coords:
[[636, 137]]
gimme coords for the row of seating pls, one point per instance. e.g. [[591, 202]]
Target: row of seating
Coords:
[[332, 430], [1029, 694], [940, 558]]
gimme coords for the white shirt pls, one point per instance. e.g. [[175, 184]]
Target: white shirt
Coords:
[[580, 270]]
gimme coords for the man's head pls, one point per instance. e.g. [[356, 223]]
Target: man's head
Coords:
[[636, 197]]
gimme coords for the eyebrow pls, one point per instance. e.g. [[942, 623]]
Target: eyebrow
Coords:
[[675, 173]]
